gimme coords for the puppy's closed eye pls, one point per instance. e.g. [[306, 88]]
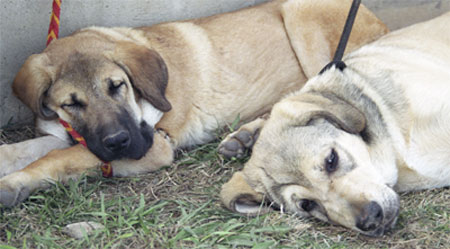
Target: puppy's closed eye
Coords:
[[114, 87], [74, 103]]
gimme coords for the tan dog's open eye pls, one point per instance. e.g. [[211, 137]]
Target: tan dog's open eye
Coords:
[[331, 161]]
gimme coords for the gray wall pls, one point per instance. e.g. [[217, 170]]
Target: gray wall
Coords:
[[24, 24]]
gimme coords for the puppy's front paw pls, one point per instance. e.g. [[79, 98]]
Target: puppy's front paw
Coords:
[[166, 136], [236, 143]]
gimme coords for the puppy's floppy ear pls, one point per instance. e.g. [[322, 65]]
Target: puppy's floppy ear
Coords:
[[146, 70], [238, 196], [314, 29], [303, 108], [31, 85]]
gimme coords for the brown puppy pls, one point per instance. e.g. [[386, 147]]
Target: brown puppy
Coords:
[[137, 94]]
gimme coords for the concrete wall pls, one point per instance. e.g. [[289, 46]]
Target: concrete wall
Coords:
[[401, 13], [24, 24]]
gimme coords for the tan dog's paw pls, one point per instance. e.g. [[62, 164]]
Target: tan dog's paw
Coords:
[[237, 143], [12, 195]]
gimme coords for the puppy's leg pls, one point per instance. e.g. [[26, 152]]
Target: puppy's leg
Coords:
[[236, 143], [58, 165], [160, 154], [14, 157], [70, 163]]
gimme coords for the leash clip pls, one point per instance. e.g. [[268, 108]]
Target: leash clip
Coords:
[[337, 59]]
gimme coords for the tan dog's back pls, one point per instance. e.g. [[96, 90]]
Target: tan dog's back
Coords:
[[235, 73], [425, 91]]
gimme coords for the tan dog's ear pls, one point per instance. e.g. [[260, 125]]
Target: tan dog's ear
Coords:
[[31, 85], [147, 72], [314, 29], [238, 196], [303, 108]]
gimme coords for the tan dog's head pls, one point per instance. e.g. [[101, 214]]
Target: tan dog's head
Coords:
[[310, 158], [97, 84]]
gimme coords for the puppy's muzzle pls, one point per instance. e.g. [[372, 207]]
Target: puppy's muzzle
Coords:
[[117, 142]]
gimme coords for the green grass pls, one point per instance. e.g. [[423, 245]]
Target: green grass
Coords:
[[179, 207]]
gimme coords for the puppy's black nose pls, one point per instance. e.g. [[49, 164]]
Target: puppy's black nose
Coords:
[[370, 218], [117, 142]]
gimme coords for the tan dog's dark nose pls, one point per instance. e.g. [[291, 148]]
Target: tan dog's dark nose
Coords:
[[371, 217], [117, 142]]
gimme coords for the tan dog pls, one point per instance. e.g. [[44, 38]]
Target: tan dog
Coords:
[[341, 147], [135, 95]]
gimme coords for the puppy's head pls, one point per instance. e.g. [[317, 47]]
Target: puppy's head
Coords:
[[100, 87], [311, 159]]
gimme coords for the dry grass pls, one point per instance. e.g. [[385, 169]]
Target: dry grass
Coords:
[[8, 136], [179, 207]]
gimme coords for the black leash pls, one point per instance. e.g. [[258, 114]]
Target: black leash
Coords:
[[337, 59]]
